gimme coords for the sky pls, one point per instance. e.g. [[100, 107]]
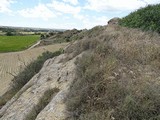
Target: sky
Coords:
[[65, 14]]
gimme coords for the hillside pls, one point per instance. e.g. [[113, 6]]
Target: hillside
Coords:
[[110, 73], [60, 37], [27, 29]]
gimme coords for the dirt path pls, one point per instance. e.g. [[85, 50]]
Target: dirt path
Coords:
[[13, 62], [33, 46]]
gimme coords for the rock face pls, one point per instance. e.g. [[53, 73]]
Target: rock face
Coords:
[[55, 74]]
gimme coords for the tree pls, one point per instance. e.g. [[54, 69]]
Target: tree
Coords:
[[42, 36], [9, 33]]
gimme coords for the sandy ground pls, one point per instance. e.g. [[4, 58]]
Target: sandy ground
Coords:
[[11, 63]]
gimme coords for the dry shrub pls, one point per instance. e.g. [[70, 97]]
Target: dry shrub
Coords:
[[118, 78], [42, 103]]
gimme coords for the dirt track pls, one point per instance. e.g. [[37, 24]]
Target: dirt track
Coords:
[[11, 63]]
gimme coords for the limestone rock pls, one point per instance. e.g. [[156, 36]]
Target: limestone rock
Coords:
[[56, 73]]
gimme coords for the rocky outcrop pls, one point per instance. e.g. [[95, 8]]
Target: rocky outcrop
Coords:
[[61, 37], [114, 21], [56, 74]]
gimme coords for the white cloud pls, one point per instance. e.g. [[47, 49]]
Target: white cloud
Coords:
[[151, 1], [40, 11], [116, 5], [64, 8], [5, 6], [90, 22], [66, 25], [73, 2], [79, 16]]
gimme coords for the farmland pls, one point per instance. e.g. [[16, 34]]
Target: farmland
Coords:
[[17, 43]]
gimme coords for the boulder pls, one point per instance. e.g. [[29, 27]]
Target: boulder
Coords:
[[114, 21]]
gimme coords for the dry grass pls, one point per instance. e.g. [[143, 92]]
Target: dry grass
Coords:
[[43, 102], [118, 76]]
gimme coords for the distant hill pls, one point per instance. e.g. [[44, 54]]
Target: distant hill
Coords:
[[147, 18], [28, 29]]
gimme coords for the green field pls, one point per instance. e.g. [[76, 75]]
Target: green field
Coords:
[[17, 43]]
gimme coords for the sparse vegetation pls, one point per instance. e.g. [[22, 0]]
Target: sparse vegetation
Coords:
[[43, 102], [16, 43], [145, 18], [61, 37], [117, 79]]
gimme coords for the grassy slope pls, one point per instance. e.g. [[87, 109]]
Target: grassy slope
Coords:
[[119, 76], [16, 43]]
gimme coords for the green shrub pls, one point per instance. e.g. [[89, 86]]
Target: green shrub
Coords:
[[145, 18]]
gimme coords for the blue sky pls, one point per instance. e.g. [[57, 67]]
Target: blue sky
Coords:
[[65, 14]]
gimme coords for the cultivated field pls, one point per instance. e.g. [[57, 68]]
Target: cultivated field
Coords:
[[11, 63], [17, 43]]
